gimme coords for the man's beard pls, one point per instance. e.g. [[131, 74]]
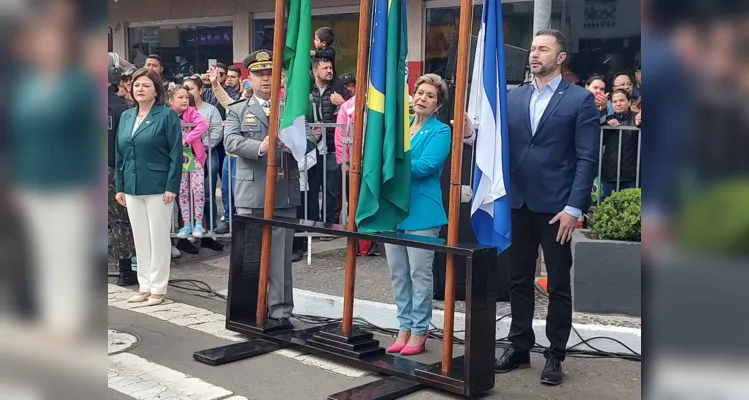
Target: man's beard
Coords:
[[544, 70]]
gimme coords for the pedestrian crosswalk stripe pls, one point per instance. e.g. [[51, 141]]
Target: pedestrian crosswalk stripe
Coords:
[[212, 323], [144, 380]]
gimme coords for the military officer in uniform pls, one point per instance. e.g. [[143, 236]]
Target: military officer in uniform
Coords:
[[246, 133], [121, 248]]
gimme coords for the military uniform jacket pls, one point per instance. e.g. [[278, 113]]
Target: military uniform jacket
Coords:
[[245, 128]]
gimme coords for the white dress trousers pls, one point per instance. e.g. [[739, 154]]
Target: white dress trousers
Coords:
[[151, 221]]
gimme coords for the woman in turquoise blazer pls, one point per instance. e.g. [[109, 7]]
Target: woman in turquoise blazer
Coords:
[[148, 169], [411, 268]]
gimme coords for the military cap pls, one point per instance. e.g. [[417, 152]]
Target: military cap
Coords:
[[346, 78], [259, 60]]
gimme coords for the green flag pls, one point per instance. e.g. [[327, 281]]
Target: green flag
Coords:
[[385, 196], [296, 60]]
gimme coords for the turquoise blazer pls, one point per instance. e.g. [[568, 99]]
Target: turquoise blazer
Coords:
[[149, 161], [429, 150]]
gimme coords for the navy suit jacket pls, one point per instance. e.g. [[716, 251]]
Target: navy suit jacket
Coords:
[[555, 167]]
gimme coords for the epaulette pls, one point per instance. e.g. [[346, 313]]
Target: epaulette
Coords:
[[236, 102]]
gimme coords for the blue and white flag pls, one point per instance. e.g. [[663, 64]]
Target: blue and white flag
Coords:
[[487, 106]]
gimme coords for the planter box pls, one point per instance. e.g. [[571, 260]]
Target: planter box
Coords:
[[606, 275]]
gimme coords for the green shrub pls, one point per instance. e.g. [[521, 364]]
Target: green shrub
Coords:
[[716, 218], [619, 216]]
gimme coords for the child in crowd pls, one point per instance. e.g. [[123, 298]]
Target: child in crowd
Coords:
[[180, 102], [324, 38], [346, 117]]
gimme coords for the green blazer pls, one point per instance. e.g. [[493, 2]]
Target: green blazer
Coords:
[[149, 161]]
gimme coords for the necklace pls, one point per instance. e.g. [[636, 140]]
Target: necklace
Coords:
[[142, 114]]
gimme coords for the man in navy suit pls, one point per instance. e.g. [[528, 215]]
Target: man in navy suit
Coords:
[[553, 129]]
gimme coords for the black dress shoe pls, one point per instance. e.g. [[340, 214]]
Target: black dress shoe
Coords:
[[512, 359], [211, 244], [297, 256], [187, 247], [552, 374], [285, 321], [127, 278]]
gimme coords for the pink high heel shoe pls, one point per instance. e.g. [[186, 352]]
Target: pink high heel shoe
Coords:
[[397, 347], [414, 350]]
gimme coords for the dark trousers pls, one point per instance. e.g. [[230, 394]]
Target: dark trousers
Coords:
[[332, 188], [211, 208], [332, 183], [528, 230], [300, 242], [314, 183]]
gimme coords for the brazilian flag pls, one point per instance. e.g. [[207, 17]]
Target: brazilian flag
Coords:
[[188, 159], [385, 196], [596, 190]]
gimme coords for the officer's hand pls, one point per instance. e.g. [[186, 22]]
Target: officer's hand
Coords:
[[264, 145], [284, 148]]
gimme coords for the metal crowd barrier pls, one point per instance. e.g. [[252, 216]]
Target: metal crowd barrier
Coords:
[[609, 130], [323, 151]]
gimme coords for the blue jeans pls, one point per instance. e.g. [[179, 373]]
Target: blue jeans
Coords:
[[411, 274], [211, 208], [610, 187], [225, 186]]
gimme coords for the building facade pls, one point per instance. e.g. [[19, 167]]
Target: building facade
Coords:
[[603, 36]]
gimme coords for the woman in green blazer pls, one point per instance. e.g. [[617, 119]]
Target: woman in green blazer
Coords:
[[148, 162]]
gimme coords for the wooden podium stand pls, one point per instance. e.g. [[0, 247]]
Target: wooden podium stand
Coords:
[[467, 375]]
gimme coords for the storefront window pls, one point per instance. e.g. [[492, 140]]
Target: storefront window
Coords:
[[345, 27], [442, 23], [603, 36], [185, 48]]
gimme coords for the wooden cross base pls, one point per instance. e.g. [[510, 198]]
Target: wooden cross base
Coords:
[[471, 374]]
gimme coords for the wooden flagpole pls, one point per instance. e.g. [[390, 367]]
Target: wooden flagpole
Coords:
[[461, 84], [279, 38], [355, 166]]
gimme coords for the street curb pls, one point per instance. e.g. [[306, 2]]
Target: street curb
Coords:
[[384, 316]]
